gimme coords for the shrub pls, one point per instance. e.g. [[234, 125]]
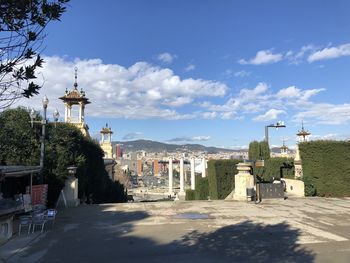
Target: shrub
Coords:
[[202, 188], [190, 195], [221, 177], [326, 167], [275, 168]]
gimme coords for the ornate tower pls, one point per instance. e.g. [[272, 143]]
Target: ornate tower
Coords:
[[298, 165], [72, 99], [302, 134], [284, 150], [106, 141]]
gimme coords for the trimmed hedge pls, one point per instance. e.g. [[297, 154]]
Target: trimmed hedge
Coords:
[[202, 188], [326, 167], [221, 177], [190, 195], [275, 168]]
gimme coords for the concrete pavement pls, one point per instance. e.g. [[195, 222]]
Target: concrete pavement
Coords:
[[292, 230]]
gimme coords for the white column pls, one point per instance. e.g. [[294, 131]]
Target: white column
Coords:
[[69, 117], [170, 167], [80, 112], [182, 175], [193, 182], [65, 112], [204, 164]]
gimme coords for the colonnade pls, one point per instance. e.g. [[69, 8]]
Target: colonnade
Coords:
[[183, 175]]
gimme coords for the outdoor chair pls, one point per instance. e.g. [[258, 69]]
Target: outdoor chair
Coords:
[[50, 216], [38, 219], [25, 221]]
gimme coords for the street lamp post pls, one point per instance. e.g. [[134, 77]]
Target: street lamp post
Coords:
[[279, 124], [43, 122]]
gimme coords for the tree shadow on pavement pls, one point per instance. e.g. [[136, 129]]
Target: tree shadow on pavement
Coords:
[[103, 234], [251, 242]]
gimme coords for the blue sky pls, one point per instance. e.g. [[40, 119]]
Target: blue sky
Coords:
[[209, 72]]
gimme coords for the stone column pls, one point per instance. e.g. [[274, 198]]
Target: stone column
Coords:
[[80, 112], [243, 180], [204, 164], [298, 168], [65, 112], [170, 175], [182, 175], [193, 182]]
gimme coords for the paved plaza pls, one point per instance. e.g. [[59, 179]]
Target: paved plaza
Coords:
[[292, 230]]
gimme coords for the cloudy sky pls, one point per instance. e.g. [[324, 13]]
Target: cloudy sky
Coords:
[[209, 72]]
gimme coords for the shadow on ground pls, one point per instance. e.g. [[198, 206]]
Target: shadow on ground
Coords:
[[101, 234], [251, 242]]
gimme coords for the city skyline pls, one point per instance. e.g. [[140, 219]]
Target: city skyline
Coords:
[[203, 72]]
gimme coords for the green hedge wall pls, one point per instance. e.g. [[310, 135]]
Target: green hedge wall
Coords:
[[221, 177], [326, 167], [202, 188], [190, 195], [272, 168]]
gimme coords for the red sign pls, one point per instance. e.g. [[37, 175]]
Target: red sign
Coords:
[[39, 194]]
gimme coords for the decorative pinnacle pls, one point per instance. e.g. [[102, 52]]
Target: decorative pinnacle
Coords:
[[76, 77]]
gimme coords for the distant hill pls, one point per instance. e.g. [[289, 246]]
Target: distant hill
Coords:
[[153, 146]]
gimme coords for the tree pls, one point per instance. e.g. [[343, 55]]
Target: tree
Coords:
[[264, 150], [254, 151], [22, 24], [66, 146]]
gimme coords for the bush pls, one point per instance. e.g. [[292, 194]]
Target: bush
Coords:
[[221, 177], [202, 188], [275, 168], [326, 167], [190, 195]]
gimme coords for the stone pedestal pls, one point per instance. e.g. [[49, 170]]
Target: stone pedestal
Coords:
[[243, 181], [71, 191]]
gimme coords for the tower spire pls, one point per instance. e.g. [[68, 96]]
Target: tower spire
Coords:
[[76, 77]]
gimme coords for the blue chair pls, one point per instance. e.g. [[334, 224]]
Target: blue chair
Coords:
[[38, 219], [25, 221]]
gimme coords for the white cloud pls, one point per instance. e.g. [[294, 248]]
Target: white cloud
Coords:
[[139, 92], [329, 53], [201, 138], [241, 73], [166, 57], [190, 139], [263, 57], [325, 113], [190, 67], [297, 57], [329, 136], [132, 136], [209, 115], [228, 115], [271, 114]]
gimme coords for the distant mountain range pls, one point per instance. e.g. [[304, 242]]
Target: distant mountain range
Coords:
[[153, 146]]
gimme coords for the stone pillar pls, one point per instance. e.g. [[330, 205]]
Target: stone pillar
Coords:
[[298, 168], [193, 182], [65, 112], [182, 175], [71, 191], [204, 166], [170, 175], [69, 113], [243, 180], [80, 112]]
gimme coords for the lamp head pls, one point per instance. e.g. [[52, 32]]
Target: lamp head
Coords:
[[56, 115], [45, 101]]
